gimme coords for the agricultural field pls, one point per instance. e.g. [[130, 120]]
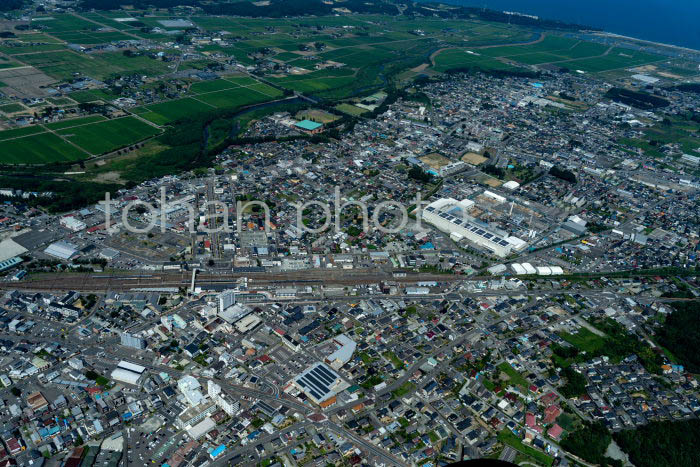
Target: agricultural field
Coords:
[[616, 58], [71, 140], [91, 95], [166, 112], [228, 93], [11, 108], [561, 51], [231, 98], [41, 148], [105, 136], [63, 64], [675, 130], [75, 122], [321, 80], [20, 132]]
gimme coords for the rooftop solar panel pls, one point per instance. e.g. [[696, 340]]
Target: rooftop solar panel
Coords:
[[327, 372], [322, 377], [319, 385]]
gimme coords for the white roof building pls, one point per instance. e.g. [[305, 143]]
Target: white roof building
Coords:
[[450, 216], [9, 249], [61, 250], [128, 373], [201, 428], [72, 223], [190, 388], [343, 354]]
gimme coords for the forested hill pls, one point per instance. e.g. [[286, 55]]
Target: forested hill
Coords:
[[286, 8]]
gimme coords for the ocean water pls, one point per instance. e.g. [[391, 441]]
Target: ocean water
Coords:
[[674, 22]]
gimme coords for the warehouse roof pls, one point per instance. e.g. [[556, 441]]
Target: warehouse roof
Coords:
[[10, 263], [318, 382], [9, 249], [62, 250], [308, 125]]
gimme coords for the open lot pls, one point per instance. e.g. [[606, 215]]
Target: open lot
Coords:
[[25, 82], [474, 158]]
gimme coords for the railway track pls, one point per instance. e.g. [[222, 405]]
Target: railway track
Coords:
[[122, 282]]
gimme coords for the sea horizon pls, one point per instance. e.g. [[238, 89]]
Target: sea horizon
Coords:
[[671, 23]]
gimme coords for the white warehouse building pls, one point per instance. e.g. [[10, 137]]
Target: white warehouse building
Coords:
[[72, 223], [128, 373], [449, 215], [61, 250]]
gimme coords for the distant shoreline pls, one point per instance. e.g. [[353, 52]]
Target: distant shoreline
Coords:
[[644, 41], [638, 20]]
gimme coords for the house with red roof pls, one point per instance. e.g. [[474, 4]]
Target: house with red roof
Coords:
[[551, 413], [555, 432]]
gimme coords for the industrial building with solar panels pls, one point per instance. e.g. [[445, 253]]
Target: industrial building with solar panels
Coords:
[[320, 383], [449, 215]]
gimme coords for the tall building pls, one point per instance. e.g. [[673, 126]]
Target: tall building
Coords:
[[222, 399], [226, 299], [135, 342]]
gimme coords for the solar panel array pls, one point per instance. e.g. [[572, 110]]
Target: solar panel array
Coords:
[[317, 381], [475, 229]]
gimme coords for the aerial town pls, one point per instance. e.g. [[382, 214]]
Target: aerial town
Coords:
[[489, 256]]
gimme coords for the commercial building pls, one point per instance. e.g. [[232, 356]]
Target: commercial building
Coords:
[[61, 250], [191, 389], [450, 216], [71, 223], [248, 323], [135, 342], [343, 353], [234, 313], [128, 373], [10, 249], [319, 383], [109, 254], [201, 428], [222, 399], [575, 225], [193, 415]]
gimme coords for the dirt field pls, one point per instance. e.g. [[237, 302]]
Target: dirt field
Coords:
[[435, 160], [25, 81], [473, 158], [317, 115]]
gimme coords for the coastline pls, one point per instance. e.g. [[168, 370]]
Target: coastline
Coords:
[[643, 41]]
